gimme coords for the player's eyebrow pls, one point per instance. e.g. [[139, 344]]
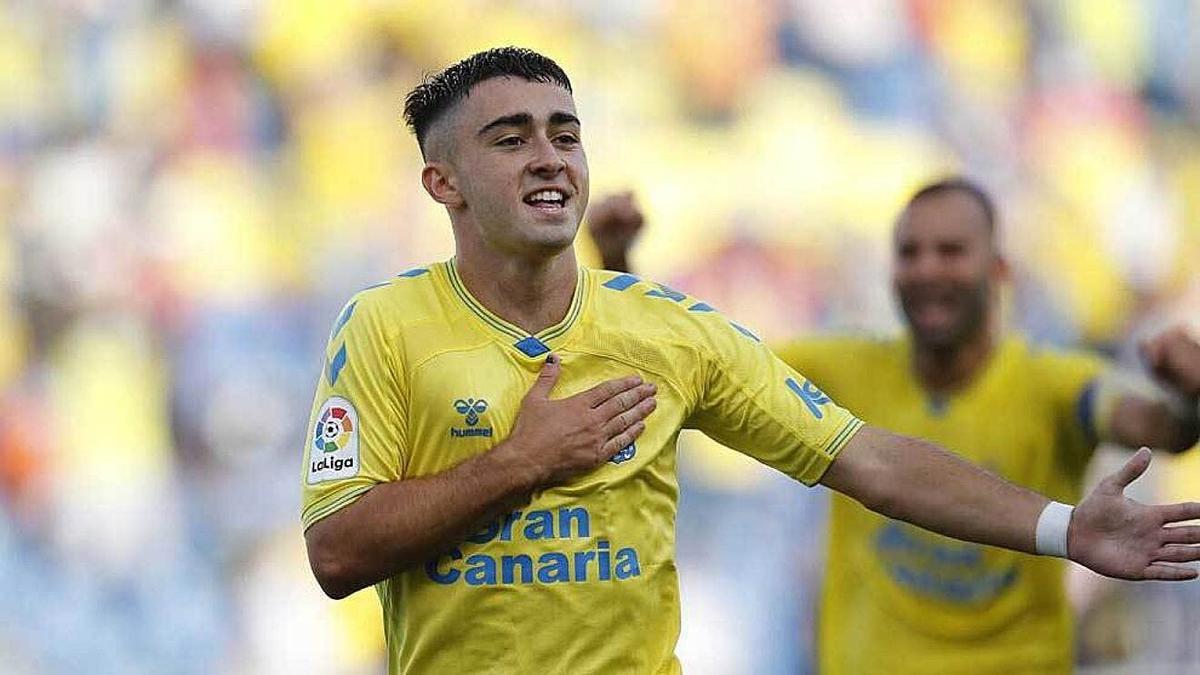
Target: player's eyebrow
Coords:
[[514, 120], [563, 118], [525, 119]]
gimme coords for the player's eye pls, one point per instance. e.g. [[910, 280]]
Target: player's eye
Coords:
[[566, 139], [510, 141], [952, 249]]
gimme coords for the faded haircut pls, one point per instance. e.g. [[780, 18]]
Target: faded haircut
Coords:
[[439, 92]]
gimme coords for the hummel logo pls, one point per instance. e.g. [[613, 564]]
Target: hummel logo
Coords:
[[471, 408]]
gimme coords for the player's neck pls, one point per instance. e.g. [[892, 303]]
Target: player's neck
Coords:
[[531, 293], [947, 370]]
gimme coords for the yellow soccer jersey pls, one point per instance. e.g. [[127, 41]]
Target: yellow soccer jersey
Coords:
[[899, 599], [420, 376]]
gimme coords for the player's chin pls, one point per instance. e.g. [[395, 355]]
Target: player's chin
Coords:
[[551, 237], [560, 222], [939, 336], [934, 330]]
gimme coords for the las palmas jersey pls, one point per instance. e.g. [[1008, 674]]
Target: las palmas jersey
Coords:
[[899, 599], [419, 376]]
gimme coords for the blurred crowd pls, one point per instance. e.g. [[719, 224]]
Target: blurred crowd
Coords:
[[189, 190]]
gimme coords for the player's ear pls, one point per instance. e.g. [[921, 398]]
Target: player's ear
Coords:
[[1001, 270], [441, 183]]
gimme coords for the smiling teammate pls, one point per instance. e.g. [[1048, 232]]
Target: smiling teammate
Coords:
[[896, 598], [492, 443]]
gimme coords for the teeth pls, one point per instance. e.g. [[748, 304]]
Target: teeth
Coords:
[[546, 196]]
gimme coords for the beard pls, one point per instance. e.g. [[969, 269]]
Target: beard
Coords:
[[968, 306]]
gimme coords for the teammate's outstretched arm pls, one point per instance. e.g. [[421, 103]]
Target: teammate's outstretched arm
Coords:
[[402, 523], [920, 483], [1168, 419]]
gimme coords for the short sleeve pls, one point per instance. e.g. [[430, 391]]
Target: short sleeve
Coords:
[[1072, 383], [356, 431], [753, 402]]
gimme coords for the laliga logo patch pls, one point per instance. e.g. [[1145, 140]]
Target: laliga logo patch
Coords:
[[334, 450], [624, 454]]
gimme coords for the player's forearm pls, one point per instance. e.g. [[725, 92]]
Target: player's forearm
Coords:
[[616, 261], [403, 523], [1138, 421], [918, 482]]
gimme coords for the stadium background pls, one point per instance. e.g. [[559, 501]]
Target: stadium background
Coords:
[[190, 189]]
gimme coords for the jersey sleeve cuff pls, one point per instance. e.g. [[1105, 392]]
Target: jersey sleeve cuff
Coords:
[[820, 461], [331, 504]]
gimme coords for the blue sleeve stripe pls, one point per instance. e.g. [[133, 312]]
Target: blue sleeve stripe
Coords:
[[666, 292], [621, 282], [336, 365], [341, 322], [745, 331], [1085, 411]]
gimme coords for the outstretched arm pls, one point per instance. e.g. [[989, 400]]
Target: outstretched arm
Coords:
[[1168, 419], [920, 483]]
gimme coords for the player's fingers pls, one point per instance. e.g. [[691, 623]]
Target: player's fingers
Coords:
[[1181, 534], [1168, 572], [1133, 468], [608, 389], [1174, 513], [630, 417], [546, 378], [623, 440], [624, 401], [1151, 350], [1178, 553]]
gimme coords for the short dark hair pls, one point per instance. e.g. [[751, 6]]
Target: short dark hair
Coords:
[[961, 184], [426, 103]]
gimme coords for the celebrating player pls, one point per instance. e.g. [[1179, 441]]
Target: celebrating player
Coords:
[[897, 598], [492, 443]]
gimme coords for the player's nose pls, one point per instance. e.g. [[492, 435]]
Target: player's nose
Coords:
[[546, 160], [921, 266]]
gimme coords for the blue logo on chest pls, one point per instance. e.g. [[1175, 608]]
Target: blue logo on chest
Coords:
[[471, 409], [624, 454]]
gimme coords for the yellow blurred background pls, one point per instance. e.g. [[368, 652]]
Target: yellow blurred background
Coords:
[[189, 190]]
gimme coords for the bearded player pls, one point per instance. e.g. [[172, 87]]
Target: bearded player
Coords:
[[897, 598]]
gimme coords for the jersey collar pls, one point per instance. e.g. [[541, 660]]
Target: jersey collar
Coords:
[[530, 345]]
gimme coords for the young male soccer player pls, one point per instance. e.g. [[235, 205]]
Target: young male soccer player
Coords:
[[492, 441], [896, 598]]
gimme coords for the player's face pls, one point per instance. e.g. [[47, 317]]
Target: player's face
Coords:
[[522, 172], [943, 269]]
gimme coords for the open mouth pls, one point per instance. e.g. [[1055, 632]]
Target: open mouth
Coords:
[[550, 200]]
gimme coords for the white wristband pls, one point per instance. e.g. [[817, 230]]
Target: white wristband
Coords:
[[1051, 537]]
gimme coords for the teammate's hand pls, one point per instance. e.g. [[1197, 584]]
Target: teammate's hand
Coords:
[[1119, 537], [1174, 357], [563, 438], [614, 222]]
